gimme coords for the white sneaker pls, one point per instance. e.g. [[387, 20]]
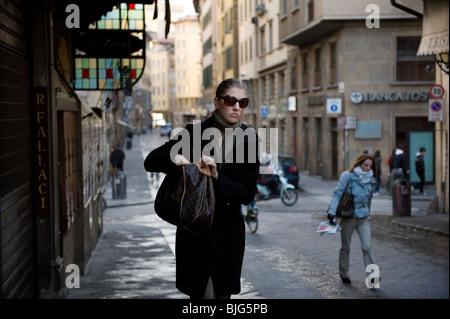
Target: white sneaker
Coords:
[[376, 194]]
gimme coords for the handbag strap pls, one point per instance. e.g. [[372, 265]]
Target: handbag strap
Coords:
[[351, 186], [201, 167]]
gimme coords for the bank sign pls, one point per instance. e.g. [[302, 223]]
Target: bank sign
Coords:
[[391, 97]]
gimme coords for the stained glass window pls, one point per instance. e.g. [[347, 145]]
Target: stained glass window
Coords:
[[124, 17], [99, 67]]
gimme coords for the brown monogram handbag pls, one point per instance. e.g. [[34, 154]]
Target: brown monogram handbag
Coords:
[[187, 198]]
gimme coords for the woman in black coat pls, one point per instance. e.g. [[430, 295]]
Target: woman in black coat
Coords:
[[209, 263]]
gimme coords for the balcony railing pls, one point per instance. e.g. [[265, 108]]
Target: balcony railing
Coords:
[[415, 70]]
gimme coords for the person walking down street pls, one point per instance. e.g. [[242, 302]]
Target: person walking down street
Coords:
[[111, 164], [389, 163], [420, 169], [399, 167], [399, 163], [361, 177], [117, 158], [209, 263], [378, 159], [129, 140]]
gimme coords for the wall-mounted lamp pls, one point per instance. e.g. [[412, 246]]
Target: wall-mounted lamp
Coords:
[[442, 61]]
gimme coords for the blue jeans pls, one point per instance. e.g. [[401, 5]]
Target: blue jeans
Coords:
[[377, 186], [362, 226]]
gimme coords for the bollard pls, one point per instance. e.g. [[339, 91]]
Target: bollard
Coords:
[[119, 185], [401, 198]]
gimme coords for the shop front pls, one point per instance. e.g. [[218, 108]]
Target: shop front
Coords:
[[389, 119]]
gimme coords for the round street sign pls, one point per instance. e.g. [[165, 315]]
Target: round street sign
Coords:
[[436, 91], [436, 106]]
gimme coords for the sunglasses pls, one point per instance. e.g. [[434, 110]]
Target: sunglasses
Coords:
[[231, 101]]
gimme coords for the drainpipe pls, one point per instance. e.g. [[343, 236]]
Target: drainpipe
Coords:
[[406, 9]]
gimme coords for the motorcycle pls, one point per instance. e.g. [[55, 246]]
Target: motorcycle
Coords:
[[278, 187]]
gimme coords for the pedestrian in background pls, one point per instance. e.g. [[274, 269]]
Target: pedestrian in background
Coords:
[[399, 163], [117, 158], [111, 164], [209, 263], [378, 159], [420, 169], [388, 162], [360, 177]]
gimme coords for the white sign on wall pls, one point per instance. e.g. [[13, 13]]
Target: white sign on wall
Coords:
[[435, 110], [334, 105], [292, 103]]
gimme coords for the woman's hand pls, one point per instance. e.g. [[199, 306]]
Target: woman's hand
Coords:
[[209, 161], [180, 159]]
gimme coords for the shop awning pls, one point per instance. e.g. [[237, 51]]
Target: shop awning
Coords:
[[120, 122], [434, 28]]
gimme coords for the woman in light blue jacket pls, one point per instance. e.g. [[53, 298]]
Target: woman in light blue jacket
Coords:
[[360, 181]]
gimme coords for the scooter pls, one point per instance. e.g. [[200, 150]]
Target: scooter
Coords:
[[279, 188]]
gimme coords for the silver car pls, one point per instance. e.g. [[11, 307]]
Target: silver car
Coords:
[[166, 129]]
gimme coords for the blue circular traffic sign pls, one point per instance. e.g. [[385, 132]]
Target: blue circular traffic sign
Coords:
[[334, 107], [436, 106]]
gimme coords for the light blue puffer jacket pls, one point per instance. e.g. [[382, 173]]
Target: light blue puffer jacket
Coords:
[[363, 194]]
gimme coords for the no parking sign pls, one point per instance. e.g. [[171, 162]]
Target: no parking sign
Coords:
[[435, 110]]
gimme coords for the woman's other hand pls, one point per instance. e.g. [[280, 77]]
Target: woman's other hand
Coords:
[[180, 159]]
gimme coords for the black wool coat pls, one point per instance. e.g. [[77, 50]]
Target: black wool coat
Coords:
[[217, 253]]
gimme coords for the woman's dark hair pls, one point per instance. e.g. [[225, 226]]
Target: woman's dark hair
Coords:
[[228, 84], [361, 158]]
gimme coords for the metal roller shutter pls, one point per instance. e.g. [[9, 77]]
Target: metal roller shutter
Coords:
[[17, 240]]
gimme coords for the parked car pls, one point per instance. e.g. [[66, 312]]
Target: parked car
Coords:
[[166, 129], [290, 169]]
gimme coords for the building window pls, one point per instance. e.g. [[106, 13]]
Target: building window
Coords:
[[271, 85], [411, 67], [207, 46], [241, 54], [206, 19], [263, 40], [246, 51], [305, 71], [283, 8], [251, 49], [101, 71], [270, 36], [263, 87], [280, 84], [228, 58], [294, 74], [333, 63], [317, 69], [228, 21], [310, 10]]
